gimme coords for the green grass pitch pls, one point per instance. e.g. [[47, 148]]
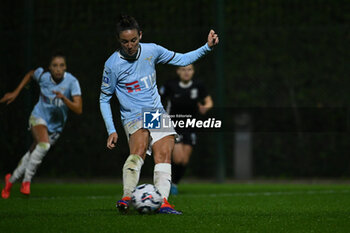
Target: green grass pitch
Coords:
[[207, 208]]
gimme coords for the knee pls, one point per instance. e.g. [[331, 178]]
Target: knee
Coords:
[[177, 159], [177, 156], [185, 160], [43, 146], [40, 151], [163, 156], [133, 162], [139, 150], [138, 143]]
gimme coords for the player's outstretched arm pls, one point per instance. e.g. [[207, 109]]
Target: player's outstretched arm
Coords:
[[11, 96], [76, 105], [179, 59], [213, 38]]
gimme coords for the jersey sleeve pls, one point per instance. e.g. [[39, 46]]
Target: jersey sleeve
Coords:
[[75, 88], [164, 55], [108, 81], [179, 59], [107, 91], [38, 73]]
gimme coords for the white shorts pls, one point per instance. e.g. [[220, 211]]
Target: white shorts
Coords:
[[155, 135], [33, 121]]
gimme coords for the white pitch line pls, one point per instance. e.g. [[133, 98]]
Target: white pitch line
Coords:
[[248, 194], [244, 194], [66, 197]]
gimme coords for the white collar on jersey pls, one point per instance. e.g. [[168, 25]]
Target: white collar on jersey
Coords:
[[52, 80], [183, 85], [125, 56]]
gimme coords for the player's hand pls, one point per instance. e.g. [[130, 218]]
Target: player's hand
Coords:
[[112, 140], [9, 97], [58, 94], [213, 39], [202, 109]]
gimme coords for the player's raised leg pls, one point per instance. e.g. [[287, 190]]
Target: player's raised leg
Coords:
[[138, 143], [162, 150], [41, 136]]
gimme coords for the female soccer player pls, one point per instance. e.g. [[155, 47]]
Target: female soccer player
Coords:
[[189, 97], [59, 91], [130, 73]]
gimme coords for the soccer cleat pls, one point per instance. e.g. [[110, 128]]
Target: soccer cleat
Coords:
[[25, 188], [123, 205], [5, 193], [173, 189], [166, 208]]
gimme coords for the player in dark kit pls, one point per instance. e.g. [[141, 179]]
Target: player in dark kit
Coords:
[[186, 97]]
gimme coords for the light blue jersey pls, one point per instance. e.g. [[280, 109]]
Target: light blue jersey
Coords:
[[53, 110], [134, 81]]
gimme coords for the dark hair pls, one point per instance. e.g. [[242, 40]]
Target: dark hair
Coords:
[[57, 54], [127, 22], [178, 67]]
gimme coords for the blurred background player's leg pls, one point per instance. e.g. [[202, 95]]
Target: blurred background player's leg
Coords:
[[180, 159], [35, 160], [20, 169], [17, 173], [5, 192], [41, 136], [22, 166]]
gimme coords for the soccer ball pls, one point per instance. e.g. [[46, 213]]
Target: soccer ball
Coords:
[[146, 199]]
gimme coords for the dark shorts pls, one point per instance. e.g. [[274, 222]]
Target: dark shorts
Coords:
[[188, 138]]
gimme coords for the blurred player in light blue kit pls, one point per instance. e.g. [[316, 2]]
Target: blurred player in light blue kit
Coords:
[[59, 91], [130, 74]]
